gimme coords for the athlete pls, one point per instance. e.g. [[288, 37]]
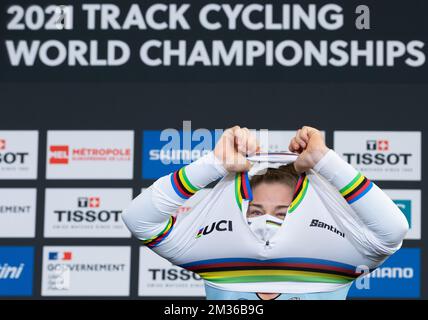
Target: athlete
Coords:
[[299, 225]]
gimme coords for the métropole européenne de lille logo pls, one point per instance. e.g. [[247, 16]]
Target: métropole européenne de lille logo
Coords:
[[60, 154], [222, 225]]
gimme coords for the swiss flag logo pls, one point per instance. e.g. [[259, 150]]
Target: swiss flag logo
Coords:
[[94, 202], [2, 144], [383, 145], [59, 154]]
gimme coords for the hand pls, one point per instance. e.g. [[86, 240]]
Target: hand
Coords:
[[233, 147], [310, 146]]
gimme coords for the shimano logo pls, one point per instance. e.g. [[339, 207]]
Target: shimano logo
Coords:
[[169, 156], [320, 224], [392, 273]]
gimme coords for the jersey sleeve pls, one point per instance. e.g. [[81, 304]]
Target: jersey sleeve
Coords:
[[376, 224], [151, 216]]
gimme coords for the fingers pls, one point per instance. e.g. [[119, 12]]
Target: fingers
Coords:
[[304, 134], [299, 138], [245, 140], [252, 143], [295, 146]]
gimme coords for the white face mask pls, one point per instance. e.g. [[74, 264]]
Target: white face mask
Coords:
[[264, 226]]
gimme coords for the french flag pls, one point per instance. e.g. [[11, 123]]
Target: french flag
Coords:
[[64, 256]]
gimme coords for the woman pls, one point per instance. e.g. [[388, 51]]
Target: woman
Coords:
[[304, 226]]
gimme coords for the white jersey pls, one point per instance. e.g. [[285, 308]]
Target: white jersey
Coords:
[[338, 225]]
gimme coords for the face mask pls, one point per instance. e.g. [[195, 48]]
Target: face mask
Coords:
[[264, 226]]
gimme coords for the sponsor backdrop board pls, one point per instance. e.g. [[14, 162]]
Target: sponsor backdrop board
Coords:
[[398, 277], [89, 155], [17, 213], [18, 154], [86, 213], [382, 155], [86, 271], [409, 202], [159, 277], [77, 141], [16, 271]]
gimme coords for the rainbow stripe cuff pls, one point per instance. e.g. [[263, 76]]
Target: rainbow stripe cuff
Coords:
[[299, 192], [356, 189], [182, 185], [242, 188], [156, 240], [240, 270]]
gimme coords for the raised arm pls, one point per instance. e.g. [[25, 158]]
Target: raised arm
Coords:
[[373, 207], [375, 211], [150, 215]]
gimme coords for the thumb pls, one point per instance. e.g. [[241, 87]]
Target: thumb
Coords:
[[248, 165], [298, 167]]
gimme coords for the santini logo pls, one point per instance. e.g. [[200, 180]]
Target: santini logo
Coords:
[[8, 272], [320, 224], [222, 225]]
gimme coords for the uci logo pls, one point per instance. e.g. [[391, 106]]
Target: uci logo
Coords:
[[222, 225]]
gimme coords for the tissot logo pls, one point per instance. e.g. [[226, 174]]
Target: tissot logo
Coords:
[[91, 202], [222, 225], [89, 215], [377, 155], [59, 154], [11, 157], [172, 274], [379, 145]]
